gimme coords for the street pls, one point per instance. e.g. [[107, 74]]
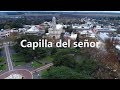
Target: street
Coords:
[[8, 58]]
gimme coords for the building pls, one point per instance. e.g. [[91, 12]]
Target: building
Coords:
[[103, 36], [35, 30], [55, 30], [99, 29], [81, 27], [73, 36], [5, 33], [22, 30]]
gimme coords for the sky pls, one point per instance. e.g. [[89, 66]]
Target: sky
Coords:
[[70, 12], [66, 11]]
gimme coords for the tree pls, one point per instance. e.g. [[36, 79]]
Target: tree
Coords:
[[41, 53], [109, 59], [111, 51], [86, 66], [69, 29], [65, 60], [63, 73], [7, 26], [65, 57], [46, 30], [53, 50], [1, 25], [29, 53]]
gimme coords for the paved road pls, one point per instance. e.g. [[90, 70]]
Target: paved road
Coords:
[[42, 68], [9, 61]]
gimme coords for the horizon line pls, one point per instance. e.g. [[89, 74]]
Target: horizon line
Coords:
[[68, 11]]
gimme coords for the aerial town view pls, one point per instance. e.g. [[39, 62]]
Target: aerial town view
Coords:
[[59, 44]]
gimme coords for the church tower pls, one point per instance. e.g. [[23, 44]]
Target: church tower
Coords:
[[55, 30], [54, 23]]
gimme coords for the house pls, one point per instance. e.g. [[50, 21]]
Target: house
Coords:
[[5, 33]]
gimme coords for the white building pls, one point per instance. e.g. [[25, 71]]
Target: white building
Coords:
[[117, 47], [104, 29], [85, 26], [81, 27], [33, 29], [92, 35], [73, 36], [22, 29], [103, 36], [5, 33]]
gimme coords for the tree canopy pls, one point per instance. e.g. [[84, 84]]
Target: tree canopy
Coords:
[[29, 52], [63, 72]]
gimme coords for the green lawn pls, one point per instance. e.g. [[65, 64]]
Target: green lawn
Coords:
[[18, 59], [36, 64], [42, 62], [41, 73], [3, 65], [47, 59], [19, 63], [2, 59]]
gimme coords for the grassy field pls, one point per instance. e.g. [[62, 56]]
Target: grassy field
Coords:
[[41, 62], [46, 60], [3, 65], [2, 59], [18, 60], [42, 72], [36, 64]]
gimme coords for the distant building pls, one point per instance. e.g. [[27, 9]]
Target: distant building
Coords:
[[35, 30], [5, 33], [117, 47], [73, 36], [81, 27], [103, 36], [87, 26], [104, 29], [22, 30]]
